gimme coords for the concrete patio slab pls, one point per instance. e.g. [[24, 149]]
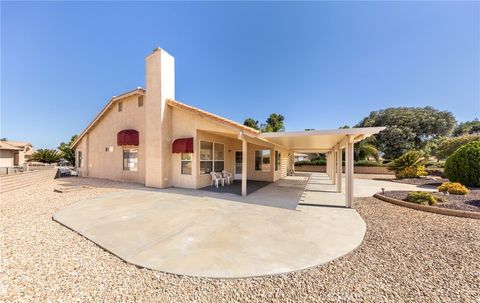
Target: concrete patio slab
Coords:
[[216, 235]]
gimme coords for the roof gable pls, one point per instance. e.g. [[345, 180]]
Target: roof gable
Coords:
[[113, 100]]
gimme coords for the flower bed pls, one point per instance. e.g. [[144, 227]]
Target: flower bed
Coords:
[[469, 202]]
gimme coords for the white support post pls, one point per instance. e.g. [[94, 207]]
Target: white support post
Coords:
[[334, 168], [349, 173], [244, 167], [326, 163], [339, 169], [329, 165]]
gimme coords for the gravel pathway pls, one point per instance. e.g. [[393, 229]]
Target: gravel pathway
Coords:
[[407, 256]]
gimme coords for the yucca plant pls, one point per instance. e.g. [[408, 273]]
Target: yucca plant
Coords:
[[46, 156], [409, 165]]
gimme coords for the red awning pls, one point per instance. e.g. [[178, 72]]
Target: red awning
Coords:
[[127, 137], [183, 145]]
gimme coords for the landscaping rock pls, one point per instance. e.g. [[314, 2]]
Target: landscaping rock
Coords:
[[407, 256]]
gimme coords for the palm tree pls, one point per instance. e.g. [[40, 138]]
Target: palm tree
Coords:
[[46, 156]]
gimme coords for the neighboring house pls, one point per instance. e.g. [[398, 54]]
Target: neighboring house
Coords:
[[147, 136], [301, 157], [14, 153]]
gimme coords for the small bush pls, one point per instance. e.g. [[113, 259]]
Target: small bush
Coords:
[[411, 172], [421, 197], [368, 163], [409, 165], [453, 188], [464, 165]]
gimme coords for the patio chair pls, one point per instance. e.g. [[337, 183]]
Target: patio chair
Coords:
[[229, 176], [216, 178]]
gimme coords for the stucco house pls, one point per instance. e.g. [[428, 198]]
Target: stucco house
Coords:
[[14, 153], [147, 136]]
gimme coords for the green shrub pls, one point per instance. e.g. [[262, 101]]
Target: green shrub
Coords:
[[464, 165], [453, 188], [448, 146], [409, 165], [318, 162], [368, 163], [421, 197], [312, 162]]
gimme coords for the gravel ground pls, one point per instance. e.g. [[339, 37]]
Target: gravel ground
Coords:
[[434, 181], [469, 202], [407, 256]]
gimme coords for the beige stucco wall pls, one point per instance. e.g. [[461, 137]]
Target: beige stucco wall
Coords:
[[97, 162], [188, 125], [6, 158]]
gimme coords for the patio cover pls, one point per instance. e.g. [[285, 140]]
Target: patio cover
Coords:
[[319, 141], [331, 142]]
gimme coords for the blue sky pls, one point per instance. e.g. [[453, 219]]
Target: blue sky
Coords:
[[321, 65]]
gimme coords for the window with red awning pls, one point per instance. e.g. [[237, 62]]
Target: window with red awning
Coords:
[[127, 137], [183, 145]]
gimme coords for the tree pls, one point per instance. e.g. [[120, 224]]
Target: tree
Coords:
[[408, 128], [250, 122], [274, 123], [67, 152], [467, 127], [3, 139], [450, 145], [46, 156]]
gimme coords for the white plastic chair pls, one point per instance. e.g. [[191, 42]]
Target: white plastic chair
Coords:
[[216, 179], [228, 176]]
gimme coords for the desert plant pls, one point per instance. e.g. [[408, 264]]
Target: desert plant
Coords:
[[421, 197], [453, 188], [411, 172], [464, 165], [46, 156], [409, 165]]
